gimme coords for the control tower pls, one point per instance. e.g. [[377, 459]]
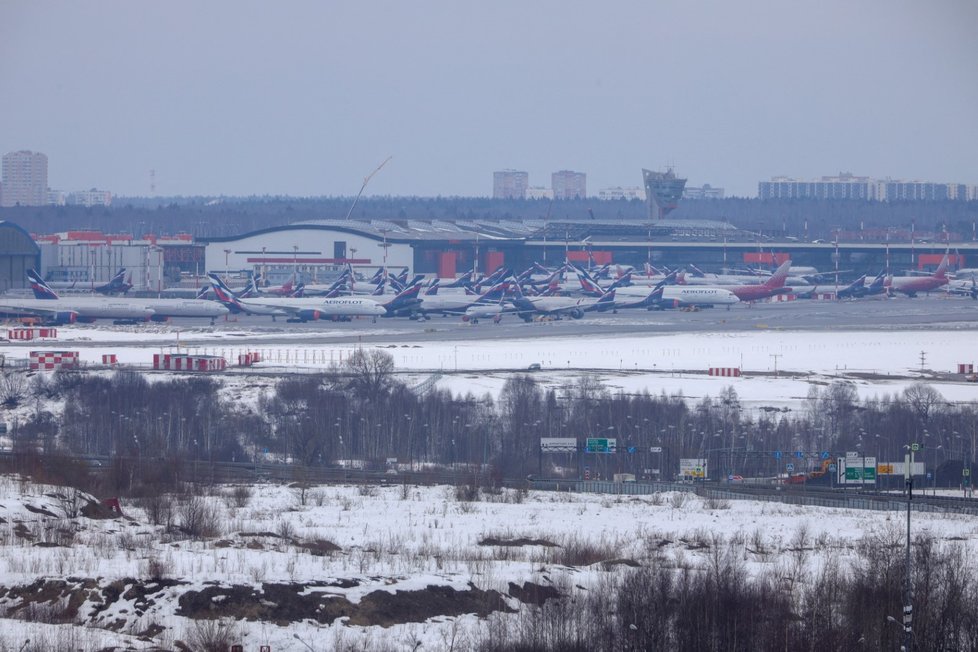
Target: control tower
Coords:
[[663, 190]]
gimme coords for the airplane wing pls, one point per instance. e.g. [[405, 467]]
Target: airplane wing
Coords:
[[51, 315]]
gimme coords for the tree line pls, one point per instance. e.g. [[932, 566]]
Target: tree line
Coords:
[[215, 217], [361, 412]]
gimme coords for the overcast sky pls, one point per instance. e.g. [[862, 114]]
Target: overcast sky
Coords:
[[307, 98]]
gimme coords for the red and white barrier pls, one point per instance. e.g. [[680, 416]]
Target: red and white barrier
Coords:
[[966, 368], [727, 372], [248, 359], [173, 362], [53, 360], [109, 358], [31, 333]]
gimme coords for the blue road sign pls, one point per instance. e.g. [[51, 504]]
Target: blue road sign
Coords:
[[789, 467], [799, 454], [833, 468], [825, 455], [631, 449], [777, 455]]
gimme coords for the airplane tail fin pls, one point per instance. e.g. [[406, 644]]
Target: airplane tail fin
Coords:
[[407, 295], [298, 290], [606, 298], [252, 288], [223, 293], [588, 284], [942, 268], [39, 287], [621, 281], [496, 291], [778, 278]]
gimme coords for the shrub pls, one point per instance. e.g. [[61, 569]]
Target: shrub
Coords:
[[213, 635]]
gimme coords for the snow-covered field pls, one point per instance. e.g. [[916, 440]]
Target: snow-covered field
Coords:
[[388, 540], [876, 362]]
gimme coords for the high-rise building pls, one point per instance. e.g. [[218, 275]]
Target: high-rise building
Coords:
[[618, 192], [848, 186], [569, 185], [25, 179], [91, 197], [663, 190], [510, 184], [706, 191]]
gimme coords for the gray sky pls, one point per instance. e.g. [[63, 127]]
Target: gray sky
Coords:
[[306, 98]]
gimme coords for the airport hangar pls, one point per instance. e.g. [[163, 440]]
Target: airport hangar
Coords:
[[317, 250], [18, 253]]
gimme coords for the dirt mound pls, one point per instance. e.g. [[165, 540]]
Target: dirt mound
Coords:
[[287, 603], [520, 541]]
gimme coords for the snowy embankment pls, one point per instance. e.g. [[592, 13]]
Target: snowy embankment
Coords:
[[376, 566], [877, 363]]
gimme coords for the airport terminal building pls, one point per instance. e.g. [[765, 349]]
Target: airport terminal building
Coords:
[[317, 250]]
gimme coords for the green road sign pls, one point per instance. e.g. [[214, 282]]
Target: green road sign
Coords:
[[966, 472], [855, 474], [915, 447], [600, 445]]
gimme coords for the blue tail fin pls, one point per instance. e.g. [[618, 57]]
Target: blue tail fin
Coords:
[[224, 294], [39, 287]]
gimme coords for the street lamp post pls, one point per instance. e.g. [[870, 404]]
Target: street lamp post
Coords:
[[908, 599]]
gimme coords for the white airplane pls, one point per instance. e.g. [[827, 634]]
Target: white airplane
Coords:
[[680, 296], [297, 309], [575, 308], [52, 309], [130, 309], [663, 295], [458, 303]]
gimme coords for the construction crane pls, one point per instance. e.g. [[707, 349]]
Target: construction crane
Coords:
[[366, 180]]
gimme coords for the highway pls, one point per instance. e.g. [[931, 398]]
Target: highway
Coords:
[[205, 472]]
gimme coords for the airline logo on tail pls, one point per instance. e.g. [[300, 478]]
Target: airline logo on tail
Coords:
[[224, 293], [39, 287], [778, 278], [251, 289]]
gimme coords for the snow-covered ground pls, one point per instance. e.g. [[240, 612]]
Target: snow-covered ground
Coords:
[[876, 362], [390, 539]]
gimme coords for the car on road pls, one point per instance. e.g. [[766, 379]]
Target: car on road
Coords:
[[534, 367]]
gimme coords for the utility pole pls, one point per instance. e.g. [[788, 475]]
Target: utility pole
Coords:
[[908, 585], [775, 356]]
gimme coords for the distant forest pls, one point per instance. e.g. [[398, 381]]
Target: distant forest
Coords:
[[206, 216]]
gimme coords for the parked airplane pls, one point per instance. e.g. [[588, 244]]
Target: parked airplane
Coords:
[[858, 288], [118, 284], [575, 308], [342, 285], [50, 308], [774, 285], [159, 309], [963, 287], [296, 309], [458, 304], [911, 285], [666, 295], [207, 292]]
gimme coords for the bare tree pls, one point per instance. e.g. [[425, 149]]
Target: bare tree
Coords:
[[370, 373]]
